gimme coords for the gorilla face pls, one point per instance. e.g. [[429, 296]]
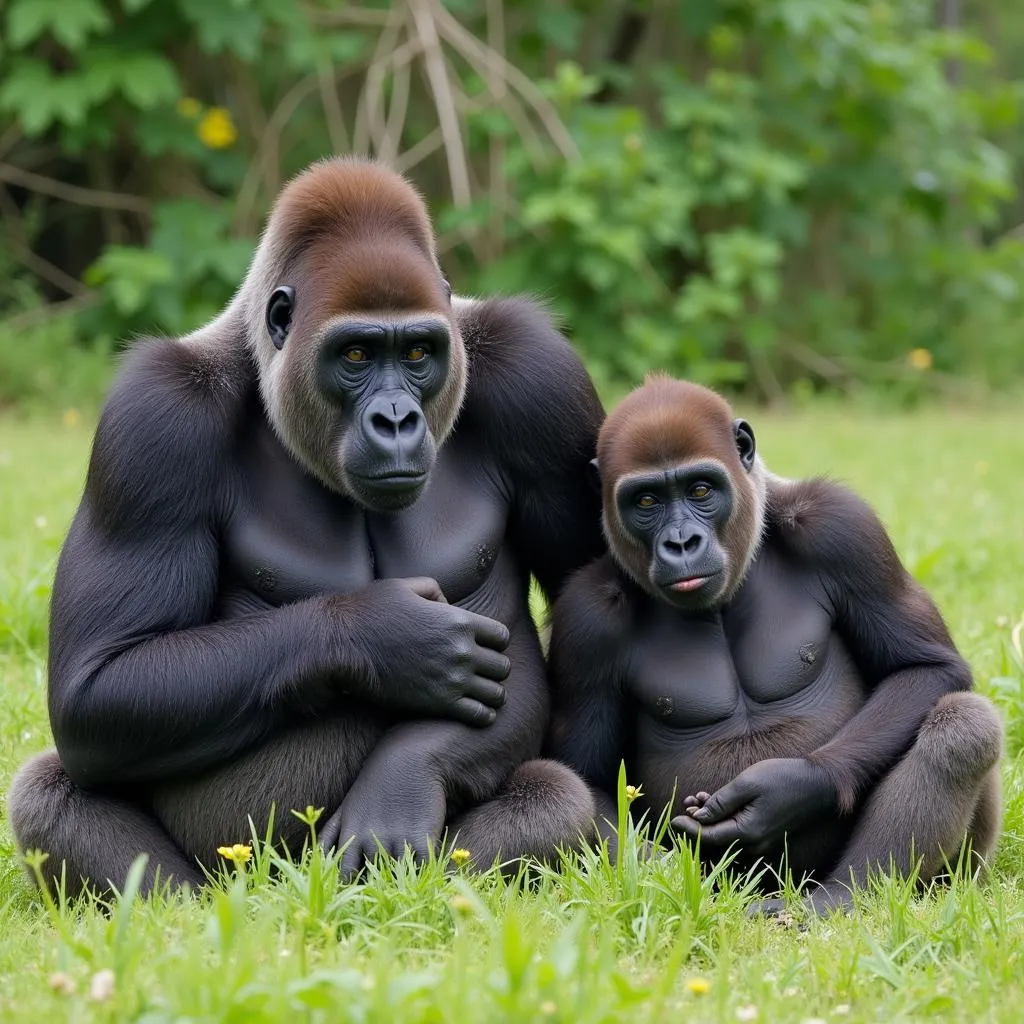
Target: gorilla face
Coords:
[[378, 387], [676, 517], [382, 374]]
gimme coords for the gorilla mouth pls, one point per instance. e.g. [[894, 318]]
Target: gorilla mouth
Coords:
[[400, 481], [688, 583]]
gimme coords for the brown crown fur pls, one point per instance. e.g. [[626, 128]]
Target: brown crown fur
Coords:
[[662, 424], [363, 233]]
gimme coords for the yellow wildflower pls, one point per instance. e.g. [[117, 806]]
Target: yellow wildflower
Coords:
[[237, 854], [461, 904], [71, 418], [632, 792], [460, 857], [216, 130], [189, 107], [698, 986], [920, 359]]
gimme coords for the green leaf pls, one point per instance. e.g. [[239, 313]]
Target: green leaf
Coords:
[[37, 98], [236, 26], [70, 22]]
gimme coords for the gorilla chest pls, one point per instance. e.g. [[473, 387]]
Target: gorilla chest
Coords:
[[289, 538], [773, 650]]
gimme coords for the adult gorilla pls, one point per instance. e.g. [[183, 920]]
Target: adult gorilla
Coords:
[[299, 573]]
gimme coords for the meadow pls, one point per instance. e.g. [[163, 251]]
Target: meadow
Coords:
[[589, 943]]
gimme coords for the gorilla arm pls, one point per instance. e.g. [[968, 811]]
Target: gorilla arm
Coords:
[[900, 645], [533, 400], [144, 685], [589, 721]]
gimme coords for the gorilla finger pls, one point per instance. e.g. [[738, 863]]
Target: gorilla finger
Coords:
[[328, 835], [723, 802], [714, 835], [487, 692], [351, 860], [489, 632], [421, 849], [426, 587], [472, 712], [492, 665]]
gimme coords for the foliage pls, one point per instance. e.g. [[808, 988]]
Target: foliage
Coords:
[[768, 194], [589, 944]]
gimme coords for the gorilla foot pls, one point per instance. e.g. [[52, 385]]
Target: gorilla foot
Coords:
[[824, 901]]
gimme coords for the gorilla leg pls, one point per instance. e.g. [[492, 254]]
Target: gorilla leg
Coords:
[[945, 790], [312, 764], [543, 805], [96, 838]]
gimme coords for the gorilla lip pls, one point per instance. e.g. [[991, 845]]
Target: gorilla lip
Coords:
[[688, 583]]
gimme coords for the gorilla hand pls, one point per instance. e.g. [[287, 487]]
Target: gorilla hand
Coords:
[[431, 658], [760, 805], [395, 802]]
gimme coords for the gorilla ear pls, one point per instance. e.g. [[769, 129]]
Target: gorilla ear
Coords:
[[279, 315], [745, 444], [595, 474]]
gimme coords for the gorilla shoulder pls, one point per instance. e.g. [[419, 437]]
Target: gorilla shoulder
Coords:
[[595, 608], [527, 386], [832, 528], [165, 433]]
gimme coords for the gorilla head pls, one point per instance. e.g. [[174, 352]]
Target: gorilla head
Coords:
[[362, 369], [683, 492]]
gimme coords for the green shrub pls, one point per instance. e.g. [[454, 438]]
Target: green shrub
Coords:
[[767, 194]]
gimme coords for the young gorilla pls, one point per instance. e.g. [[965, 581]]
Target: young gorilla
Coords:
[[758, 640], [299, 573]]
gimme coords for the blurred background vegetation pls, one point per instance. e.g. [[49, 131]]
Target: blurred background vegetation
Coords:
[[774, 196]]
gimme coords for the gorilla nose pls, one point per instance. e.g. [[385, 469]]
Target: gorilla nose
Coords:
[[683, 543], [395, 422]]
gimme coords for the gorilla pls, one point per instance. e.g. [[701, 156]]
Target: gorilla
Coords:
[[754, 650], [299, 573]]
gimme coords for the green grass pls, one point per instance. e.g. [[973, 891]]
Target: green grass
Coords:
[[592, 943]]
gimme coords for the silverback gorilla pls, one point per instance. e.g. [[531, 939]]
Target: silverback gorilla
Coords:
[[755, 642], [299, 572]]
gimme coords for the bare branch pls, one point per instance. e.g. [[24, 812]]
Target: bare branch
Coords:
[[247, 194], [72, 193], [424, 13], [371, 100], [482, 56], [395, 126], [44, 314], [346, 16], [333, 115]]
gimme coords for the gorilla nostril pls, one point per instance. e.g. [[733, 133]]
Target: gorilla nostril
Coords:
[[384, 425], [409, 424], [693, 543]]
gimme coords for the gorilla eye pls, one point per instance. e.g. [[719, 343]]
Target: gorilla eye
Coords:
[[646, 501], [356, 355], [700, 491], [416, 354]]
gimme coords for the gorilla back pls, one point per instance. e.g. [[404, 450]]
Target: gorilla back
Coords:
[[299, 571]]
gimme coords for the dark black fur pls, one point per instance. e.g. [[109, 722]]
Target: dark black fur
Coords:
[[824, 703], [218, 641]]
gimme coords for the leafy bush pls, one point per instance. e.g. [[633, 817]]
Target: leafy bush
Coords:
[[761, 193]]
